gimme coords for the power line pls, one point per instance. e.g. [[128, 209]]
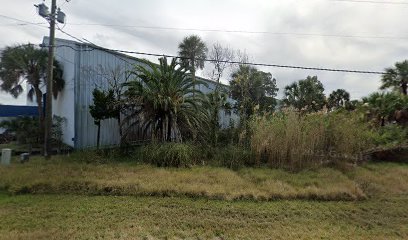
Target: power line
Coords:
[[23, 22], [91, 45], [298, 34], [230, 62]]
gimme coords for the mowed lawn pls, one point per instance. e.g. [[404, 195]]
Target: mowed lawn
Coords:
[[67, 199], [127, 217]]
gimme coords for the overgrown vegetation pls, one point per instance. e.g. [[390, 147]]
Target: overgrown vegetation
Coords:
[[295, 141]]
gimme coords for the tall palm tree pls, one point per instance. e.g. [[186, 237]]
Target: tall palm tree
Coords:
[[26, 63], [160, 101], [396, 77], [338, 98], [192, 51]]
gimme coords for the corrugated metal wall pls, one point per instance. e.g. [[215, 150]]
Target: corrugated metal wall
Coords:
[[89, 67], [94, 64]]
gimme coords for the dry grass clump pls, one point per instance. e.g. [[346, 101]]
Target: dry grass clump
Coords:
[[294, 141]]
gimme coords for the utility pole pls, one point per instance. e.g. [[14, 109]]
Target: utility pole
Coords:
[[50, 70], [51, 17]]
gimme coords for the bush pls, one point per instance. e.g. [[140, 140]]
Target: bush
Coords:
[[294, 141], [235, 157], [169, 154], [390, 135]]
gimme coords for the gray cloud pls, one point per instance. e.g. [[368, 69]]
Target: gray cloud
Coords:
[[289, 16]]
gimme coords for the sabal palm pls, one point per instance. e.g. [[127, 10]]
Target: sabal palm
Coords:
[[192, 51], [338, 98], [382, 105], [161, 101], [396, 77], [26, 63]]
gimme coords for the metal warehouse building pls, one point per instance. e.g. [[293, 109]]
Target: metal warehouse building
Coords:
[[84, 68]]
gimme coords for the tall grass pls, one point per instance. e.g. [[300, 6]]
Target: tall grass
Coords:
[[294, 141]]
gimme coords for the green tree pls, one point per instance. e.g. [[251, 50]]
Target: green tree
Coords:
[[253, 90], [104, 107], [163, 102], [192, 51], [305, 95], [396, 77], [338, 99], [216, 101], [382, 106], [26, 63]]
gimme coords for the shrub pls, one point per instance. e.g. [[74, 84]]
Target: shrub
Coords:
[[294, 141], [235, 157], [169, 154], [390, 135]]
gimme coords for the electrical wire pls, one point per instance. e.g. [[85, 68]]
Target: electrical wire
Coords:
[[296, 34], [23, 21]]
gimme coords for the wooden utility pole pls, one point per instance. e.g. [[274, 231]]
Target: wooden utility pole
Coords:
[[48, 102]]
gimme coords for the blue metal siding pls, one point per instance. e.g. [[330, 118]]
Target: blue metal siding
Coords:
[[16, 111]]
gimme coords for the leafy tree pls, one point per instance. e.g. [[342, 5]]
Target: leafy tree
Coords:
[[192, 51], [396, 77], [338, 99], [162, 101], [26, 63], [305, 95], [253, 90], [103, 108]]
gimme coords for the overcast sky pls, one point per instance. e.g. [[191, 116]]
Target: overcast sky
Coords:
[[382, 31]]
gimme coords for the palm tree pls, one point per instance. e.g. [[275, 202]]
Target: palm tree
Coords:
[[160, 101], [338, 99], [305, 95], [397, 77], [26, 63], [382, 106], [192, 51]]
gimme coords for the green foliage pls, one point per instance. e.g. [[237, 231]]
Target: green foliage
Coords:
[[25, 129], [294, 141], [215, 102], [396, 78], [103, 105], [192, 50], [235, 157], [306, 95], [390, 135], [382, 106], [29, 63], [169, 154], [253, 90], [339, 98], [163, 102]]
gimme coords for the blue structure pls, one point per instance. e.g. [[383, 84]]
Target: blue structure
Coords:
[[17, 111]]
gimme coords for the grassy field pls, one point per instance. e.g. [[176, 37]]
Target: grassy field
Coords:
[[67, 198], [124, 217], [64, 176]]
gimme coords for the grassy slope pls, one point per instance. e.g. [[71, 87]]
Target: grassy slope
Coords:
[[62, 176], [109, 217], [382, 215]]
